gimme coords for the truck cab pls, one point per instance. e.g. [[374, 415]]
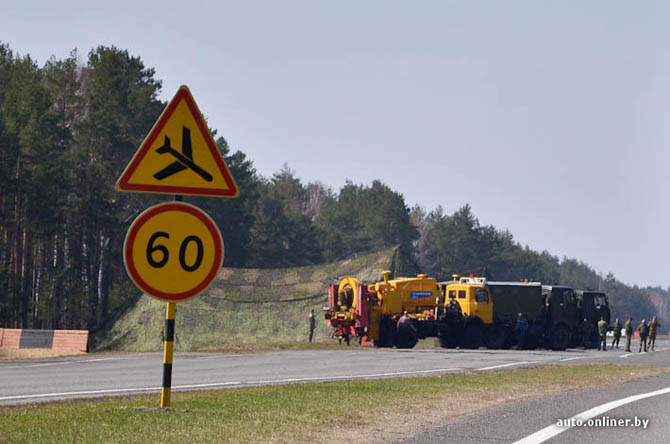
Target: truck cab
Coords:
[[562, 314], [593, 305], [472, 296]]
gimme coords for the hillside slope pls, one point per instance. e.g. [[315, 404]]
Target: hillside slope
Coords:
[[248, 306]]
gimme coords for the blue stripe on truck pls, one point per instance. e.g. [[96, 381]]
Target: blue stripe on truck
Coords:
[[420, 294]]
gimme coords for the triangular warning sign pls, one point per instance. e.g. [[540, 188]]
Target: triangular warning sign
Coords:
[[179, 156]]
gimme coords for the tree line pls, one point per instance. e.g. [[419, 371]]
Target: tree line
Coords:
[[67, 130]]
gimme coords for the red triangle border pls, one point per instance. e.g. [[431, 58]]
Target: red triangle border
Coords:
[[182, 94]]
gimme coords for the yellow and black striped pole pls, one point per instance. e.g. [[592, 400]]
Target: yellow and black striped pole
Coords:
[[168, 348]]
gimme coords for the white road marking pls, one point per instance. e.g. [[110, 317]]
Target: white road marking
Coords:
[[345, 377], [505, 365], [572, 359], [111, 391], [553, 430], [626, 355], [226, 384], [35, 365], [88, 392], [48, 364], [216, 356]]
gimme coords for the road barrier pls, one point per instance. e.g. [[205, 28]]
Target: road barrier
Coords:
[[55, 339]]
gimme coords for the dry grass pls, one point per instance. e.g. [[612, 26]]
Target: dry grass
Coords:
[[12, 354], [496, 389]]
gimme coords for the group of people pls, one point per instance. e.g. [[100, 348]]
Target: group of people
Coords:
[[646, 331]]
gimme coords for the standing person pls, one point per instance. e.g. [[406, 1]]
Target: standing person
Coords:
[[653, 324], [644, 331], [454, 307], [602, 332], [628, 329], [404, 320], [312, 325], [587, 333], [521, 329], [617, 333]]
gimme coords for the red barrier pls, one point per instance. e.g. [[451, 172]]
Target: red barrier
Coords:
[[71, 340], [10, 338], [76, 340]]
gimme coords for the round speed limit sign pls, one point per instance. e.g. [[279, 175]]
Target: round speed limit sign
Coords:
[[173, 251]]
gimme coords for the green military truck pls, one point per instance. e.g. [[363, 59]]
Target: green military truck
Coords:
[[592, 305], [562, 315], [489, 312]]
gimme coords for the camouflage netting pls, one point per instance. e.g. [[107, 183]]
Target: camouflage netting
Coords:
[[246, 306]]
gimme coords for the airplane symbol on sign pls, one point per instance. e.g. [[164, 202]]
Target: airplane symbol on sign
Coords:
[[184, 159]]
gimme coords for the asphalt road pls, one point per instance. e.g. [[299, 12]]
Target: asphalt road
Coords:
[[122, 374], [531, 421]]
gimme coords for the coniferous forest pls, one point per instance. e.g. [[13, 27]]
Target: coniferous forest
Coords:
[[68, 129]]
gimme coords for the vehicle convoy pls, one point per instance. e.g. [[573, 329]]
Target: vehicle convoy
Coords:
[[466, 311]]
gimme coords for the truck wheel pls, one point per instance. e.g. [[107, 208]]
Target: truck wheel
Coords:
[[495, 339], [387, 333], [473, 336], [560, 337], [406, 337]]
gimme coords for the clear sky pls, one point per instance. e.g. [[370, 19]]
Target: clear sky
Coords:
[[549, 117]]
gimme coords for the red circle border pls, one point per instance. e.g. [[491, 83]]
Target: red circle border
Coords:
[[162, 208]]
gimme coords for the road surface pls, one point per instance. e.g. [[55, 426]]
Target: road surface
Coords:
[[24, 382]]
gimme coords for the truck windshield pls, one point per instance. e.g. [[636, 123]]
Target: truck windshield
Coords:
[[569, 295], [599, 300]]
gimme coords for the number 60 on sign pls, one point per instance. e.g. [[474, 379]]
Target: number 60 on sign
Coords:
[[173, 251]]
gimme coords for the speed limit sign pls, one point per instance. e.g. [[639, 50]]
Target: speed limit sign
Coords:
[[173, 251]]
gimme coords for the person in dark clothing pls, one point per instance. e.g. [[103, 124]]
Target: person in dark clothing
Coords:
[[454, 307], [653, 325], [312, 325], [617, 333], [628, 329], [520, 330], [587, 334], [643, 329]]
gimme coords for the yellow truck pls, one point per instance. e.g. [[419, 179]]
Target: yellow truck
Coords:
[[394, 312]]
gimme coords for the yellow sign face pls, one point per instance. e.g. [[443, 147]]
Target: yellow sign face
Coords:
[[179, 156], [173, 251]]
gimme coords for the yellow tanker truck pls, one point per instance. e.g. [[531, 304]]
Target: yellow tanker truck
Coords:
[[394, 312]]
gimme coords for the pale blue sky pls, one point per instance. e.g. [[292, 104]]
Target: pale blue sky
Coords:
[[549, 118]]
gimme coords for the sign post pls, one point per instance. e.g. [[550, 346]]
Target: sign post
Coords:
[[173, 251], [168, 348]]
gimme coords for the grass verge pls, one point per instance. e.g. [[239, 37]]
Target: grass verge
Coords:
[[352, 411]]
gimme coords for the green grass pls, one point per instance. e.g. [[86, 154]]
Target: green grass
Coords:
[[245, 308], [326, 412]]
